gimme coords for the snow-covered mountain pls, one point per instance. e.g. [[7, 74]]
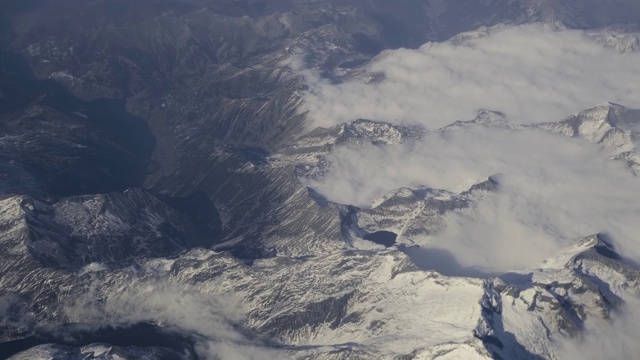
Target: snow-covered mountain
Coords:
[[336, 292], [160, 198]]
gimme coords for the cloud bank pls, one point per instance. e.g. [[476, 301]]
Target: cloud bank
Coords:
[[613, 338], [554, 190], [532, 73]]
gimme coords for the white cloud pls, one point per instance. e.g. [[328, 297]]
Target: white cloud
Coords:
[[553, 191], [533, 73], [614, 338], [209, 320]]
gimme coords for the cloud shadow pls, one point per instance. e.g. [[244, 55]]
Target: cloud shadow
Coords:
[[443, 262]]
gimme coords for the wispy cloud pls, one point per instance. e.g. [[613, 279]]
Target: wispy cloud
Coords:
[[614, 338], [553, 191]]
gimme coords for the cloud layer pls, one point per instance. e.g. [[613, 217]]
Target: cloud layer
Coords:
[[613, 338], [532, 73], [554, 190]]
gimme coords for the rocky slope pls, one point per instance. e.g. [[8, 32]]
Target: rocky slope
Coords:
[[328, 290], [156, 198]]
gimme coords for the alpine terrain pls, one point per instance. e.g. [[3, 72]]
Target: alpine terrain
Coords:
[[302, 179]]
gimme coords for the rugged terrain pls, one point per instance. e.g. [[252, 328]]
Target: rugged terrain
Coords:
[[155, 198]]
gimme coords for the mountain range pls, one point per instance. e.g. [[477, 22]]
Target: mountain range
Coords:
[[157, 194]]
